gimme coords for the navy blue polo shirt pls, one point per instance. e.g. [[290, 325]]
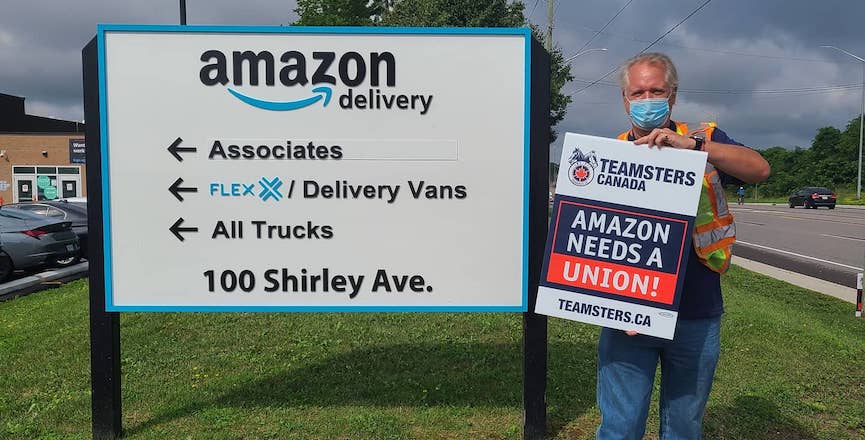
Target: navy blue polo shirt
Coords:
[[701, 290]]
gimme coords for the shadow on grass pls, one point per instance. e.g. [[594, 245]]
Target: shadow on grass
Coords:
[[420, 375], [753, 417]]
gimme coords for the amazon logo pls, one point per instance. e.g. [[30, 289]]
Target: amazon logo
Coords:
[[320, 72]]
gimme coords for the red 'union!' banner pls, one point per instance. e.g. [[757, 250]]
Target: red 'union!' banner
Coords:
[[617, 279]]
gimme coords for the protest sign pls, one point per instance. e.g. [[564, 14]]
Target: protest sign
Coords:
[[620, 234]]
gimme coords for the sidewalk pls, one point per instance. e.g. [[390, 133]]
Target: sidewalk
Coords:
[[22, 284], [835, 290]]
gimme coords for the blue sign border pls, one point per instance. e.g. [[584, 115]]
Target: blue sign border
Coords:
[[102, 29]]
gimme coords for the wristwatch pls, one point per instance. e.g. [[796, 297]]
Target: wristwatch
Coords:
[[698, 143]]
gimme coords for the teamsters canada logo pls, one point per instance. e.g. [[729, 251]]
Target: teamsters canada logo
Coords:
[[582, 168]]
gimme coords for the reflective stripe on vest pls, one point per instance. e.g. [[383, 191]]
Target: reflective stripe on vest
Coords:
[[714, 230]]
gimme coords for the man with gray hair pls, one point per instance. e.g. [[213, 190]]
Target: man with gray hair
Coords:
[[626, 360]]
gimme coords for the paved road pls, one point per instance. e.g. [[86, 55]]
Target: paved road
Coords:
[[822, 243]]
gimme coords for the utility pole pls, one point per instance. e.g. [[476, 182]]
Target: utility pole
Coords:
[[549, 42]]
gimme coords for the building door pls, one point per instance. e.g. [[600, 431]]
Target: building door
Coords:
[[70, 182], [68, 188], [23, 189]]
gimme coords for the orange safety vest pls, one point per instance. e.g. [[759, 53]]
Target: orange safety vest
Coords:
[[714, 230]]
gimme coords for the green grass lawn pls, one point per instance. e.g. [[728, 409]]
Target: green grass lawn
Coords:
[[792, 367]]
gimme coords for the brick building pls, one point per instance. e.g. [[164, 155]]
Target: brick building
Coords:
[[40, 158]]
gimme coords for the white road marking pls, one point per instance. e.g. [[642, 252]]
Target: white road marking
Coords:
[[750, 223], [842, 237], [797, 255]]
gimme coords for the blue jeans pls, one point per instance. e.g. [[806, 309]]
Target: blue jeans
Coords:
[[626, 373]]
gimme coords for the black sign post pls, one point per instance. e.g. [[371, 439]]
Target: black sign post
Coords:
[[534, 325], [104, 326]]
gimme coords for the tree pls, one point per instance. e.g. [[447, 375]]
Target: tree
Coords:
[[438, 13], [826, 141], [823, 158], [849, 143], [781, 181], [831, 161], [335, 13], [848, 149], [455, 13]]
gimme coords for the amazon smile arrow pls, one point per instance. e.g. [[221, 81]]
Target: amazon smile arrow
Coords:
[[318, 94]]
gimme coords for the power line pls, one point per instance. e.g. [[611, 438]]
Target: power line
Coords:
[[533, 9], [594, 82], [604, 27], [792, 90], [676, 26], [779, 91], [745, 54], [649, 46], [704, 49]]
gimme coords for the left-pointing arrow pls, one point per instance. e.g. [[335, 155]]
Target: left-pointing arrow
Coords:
[[175, 149], [176, 189], [176, 229]]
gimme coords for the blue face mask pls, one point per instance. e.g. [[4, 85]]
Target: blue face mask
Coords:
[[650, 113]]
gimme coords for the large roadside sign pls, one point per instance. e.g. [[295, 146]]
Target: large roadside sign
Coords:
[[620, 235], [314, 169]]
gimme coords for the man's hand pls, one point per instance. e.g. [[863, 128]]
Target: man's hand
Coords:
[[664, 137], [631, 333]]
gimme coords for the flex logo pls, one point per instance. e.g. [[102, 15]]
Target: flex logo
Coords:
[[265, 189], [270, 189], [313, 77]]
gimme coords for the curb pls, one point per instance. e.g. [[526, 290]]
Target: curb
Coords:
[[21, 284]]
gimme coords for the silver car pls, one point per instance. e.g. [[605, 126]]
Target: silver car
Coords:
[[29, 241]]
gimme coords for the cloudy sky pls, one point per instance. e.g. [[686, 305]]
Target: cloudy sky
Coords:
[[754, 66]]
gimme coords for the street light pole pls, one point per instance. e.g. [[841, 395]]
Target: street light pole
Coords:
[[861, 119], [861, 125]]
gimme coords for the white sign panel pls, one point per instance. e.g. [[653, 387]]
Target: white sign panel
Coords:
[[621, 234], [314, 168]]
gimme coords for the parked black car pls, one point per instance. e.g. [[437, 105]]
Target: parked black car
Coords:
[[812, 197], [74, 212]]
